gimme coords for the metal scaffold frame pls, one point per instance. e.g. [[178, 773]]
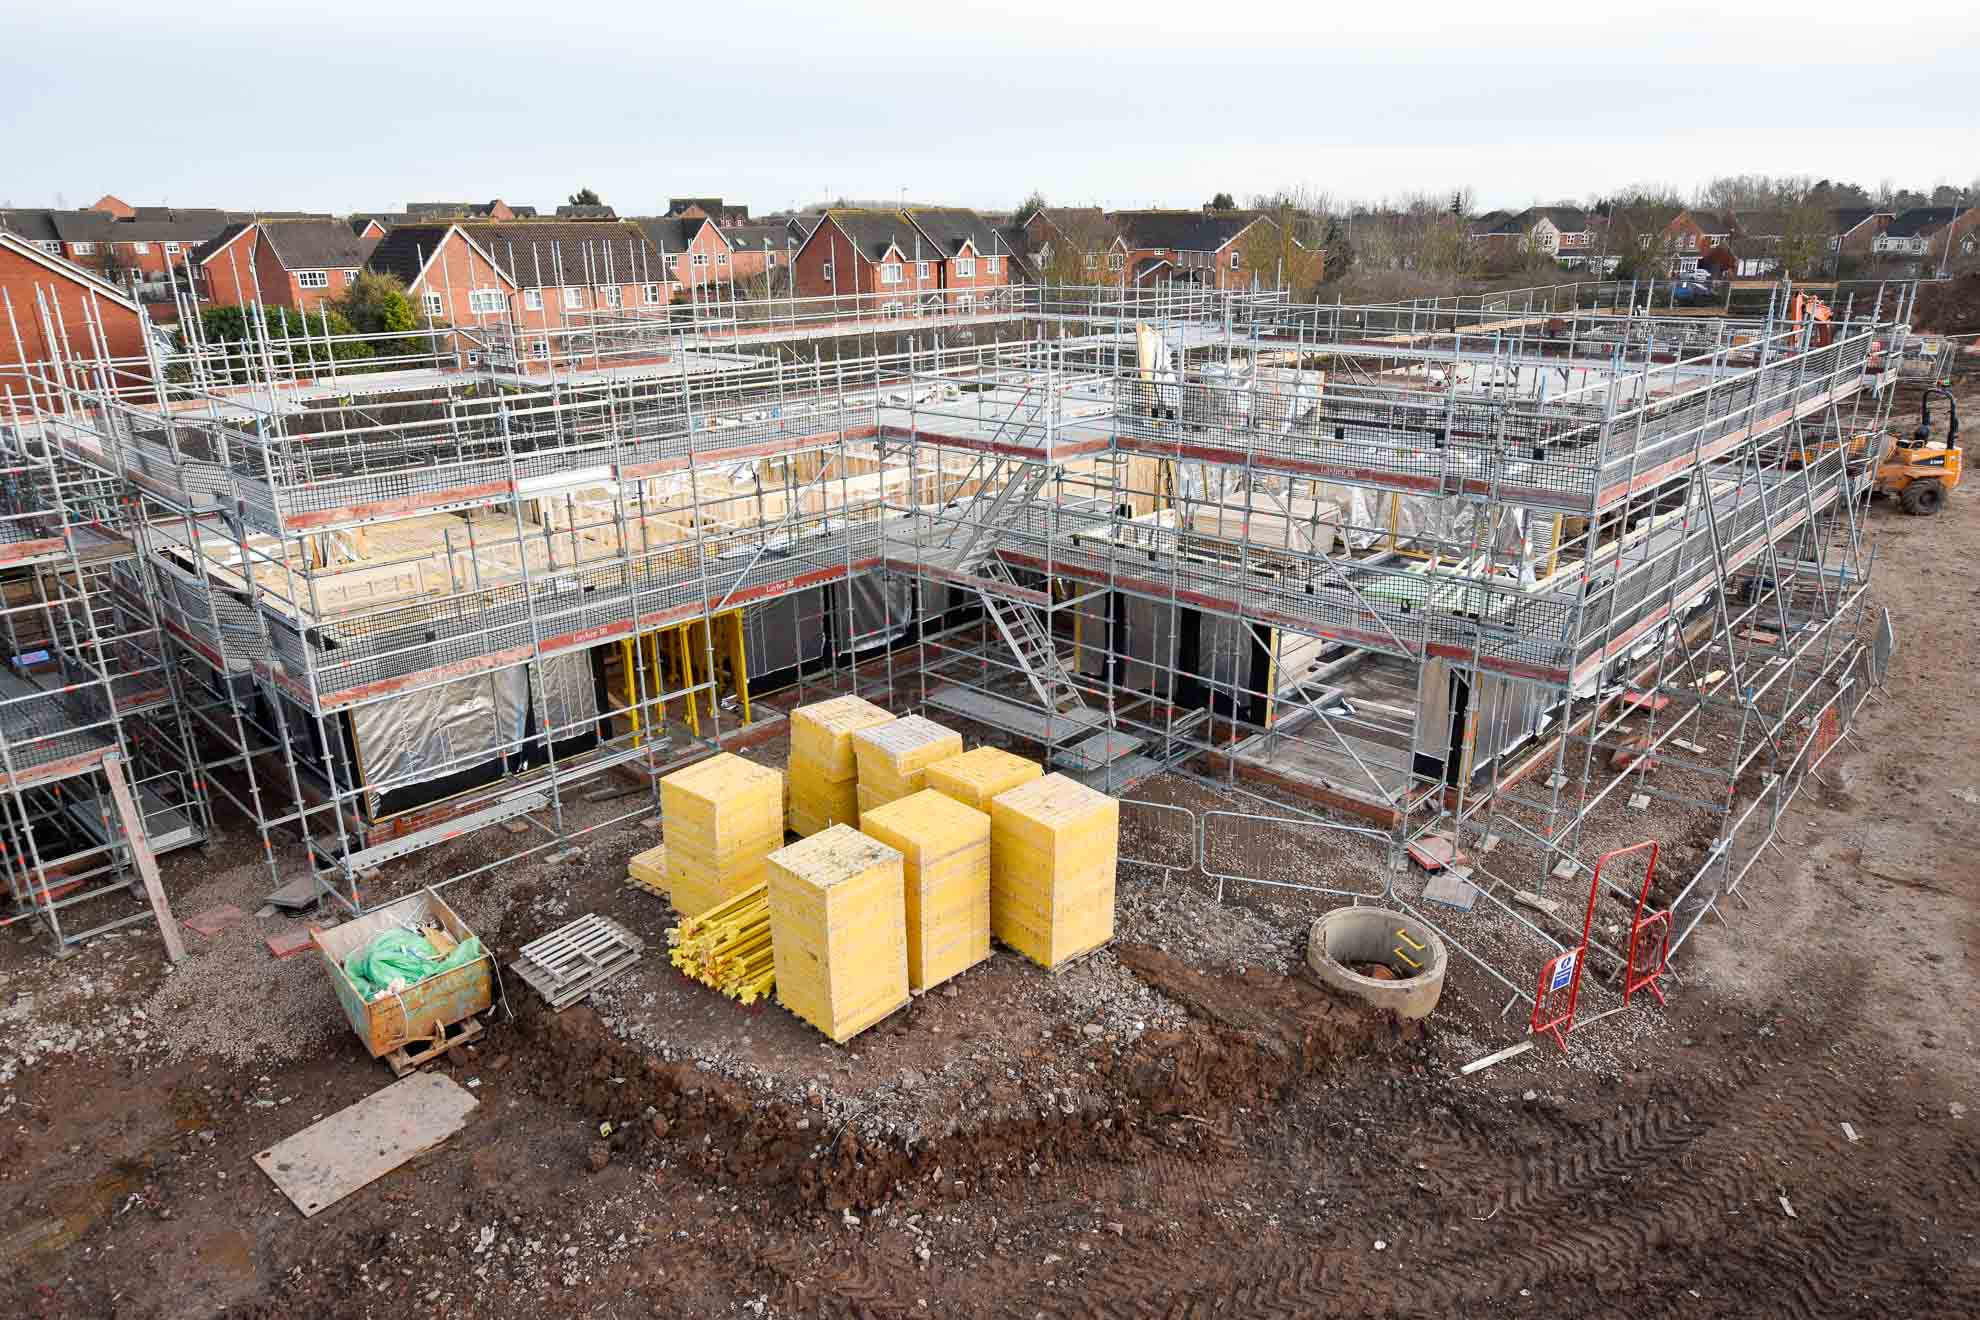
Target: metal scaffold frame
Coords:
[[1381, 573]]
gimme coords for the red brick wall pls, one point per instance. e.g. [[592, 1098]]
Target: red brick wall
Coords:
[[21, 278], [707, 243], [229, 273], [828, 245], [982, 282]]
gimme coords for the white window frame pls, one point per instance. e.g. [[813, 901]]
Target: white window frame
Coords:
[[965, 268], [172, 249], [312, 279], [722, 258], [770, 259], [486, 302], [965, 304], [893, 308], [1236, 259], [84, 249], [825, 273], [1092, 261], [650, 294], [612, 296], [1117, 261], [890, 272], [434, 304], [698, 259], [921, 270], [140, 249], [52, 246], [573, 297], [990, 265], [540, 349], [533, 300], [350, 274]]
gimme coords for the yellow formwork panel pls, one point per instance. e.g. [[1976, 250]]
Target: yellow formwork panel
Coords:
[[980, 774], [838, 930], [650, 866], [893, 759], [816, 802], [822, 734], [720, 817], [1054, 845], [945, 851]]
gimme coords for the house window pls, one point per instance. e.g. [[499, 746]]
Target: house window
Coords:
[[965, 268], [721, 258], [770, 259], [892, 309], [699, 259], [312, 279], [990, 265], [486, 302], [1091, 260], [533, 299], [966, 304], [540, 349], [52, 246], [172, 248], [1234, 260], [612, 295], [921, 270], [1116, 260], [651, 293], [825, 271], [891, 273], [573, 297], [140, 249], [83, 249], [350, 274], [433, 303], [474, 359]]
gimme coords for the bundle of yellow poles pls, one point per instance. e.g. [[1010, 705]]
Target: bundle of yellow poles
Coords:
[[727, 948]]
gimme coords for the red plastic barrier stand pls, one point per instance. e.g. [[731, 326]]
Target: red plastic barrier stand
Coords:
[[1559, 979], [1649, 953]]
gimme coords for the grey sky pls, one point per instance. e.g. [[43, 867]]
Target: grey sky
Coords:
[[361, 105]]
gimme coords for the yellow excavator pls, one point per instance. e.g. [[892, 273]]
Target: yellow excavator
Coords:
[[1919, 472]]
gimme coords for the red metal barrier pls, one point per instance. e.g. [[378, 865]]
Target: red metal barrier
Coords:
[[1561, 977], [1562, 974], [1649, 953]]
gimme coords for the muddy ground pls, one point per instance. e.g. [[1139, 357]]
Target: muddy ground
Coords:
[[1181, 1126]]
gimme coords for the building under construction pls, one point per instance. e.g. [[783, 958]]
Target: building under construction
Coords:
[[1411, 575]]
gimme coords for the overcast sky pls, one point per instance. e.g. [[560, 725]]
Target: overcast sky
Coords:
[[359, 105]]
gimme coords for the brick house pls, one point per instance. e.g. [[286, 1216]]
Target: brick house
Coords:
[[545, 279], [80, 303], [132, 249], [756, 249], [1927, 236], [297, 264], [1200, 247], [724, 214], [697, 253], [495, 210], [897, 262]]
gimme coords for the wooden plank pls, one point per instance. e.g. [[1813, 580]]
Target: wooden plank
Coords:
[[354, 1147], [147, 865]]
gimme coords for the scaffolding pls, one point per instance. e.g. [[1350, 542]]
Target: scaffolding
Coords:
[[87, 684], [1388, 574]]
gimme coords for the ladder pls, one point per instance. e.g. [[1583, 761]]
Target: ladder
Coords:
[[1037, 655]]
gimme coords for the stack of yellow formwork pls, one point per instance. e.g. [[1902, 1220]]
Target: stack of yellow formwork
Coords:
[[838, 930], [648, 871], [894, 758], [980, 774], [824, 773], [720, 817], [945, 851], [1054, 843]]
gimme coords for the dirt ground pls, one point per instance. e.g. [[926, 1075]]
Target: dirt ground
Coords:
[[1180, 1126]]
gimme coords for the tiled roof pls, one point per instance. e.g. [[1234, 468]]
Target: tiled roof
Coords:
[[314, 244], [949, 228], [533, 253], [1183, 231]]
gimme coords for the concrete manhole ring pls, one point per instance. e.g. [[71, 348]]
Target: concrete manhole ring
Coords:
[[1374, 935]]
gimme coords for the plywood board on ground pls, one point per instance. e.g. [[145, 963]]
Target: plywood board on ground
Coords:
[[327, 1161]]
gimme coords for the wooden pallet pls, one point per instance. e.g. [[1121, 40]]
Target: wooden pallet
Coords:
[[414, 1055]]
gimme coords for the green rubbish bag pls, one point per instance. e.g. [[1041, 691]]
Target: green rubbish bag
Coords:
[[400, 955]]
